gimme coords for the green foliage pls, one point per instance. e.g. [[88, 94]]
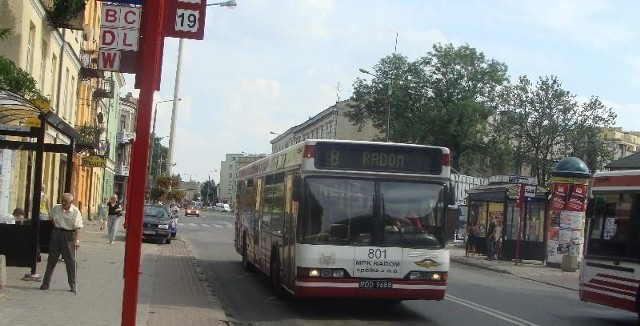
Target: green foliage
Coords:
[[63, 11], [167, 189], [209, 192], [157, 157], [16, 80], [4, 33], [444, 98], [457, 98], [547, 124]]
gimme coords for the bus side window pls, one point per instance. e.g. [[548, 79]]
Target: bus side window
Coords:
[[297, 188]]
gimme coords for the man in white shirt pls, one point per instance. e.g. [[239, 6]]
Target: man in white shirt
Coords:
[[65, 240]]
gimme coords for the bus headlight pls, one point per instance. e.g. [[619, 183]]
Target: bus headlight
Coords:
[[431, 276], [322, 272]]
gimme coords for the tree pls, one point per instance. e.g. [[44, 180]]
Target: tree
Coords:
[[209, 192], [157, 158], [167, 188], [547, 124], [444, 98], [16, 80]]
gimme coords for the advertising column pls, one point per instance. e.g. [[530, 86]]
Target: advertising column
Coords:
[[565, 236]]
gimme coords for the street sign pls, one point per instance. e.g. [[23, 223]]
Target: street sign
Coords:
[[120, 32], [125, 2], [185, 19], [94, 161], [529, 191]]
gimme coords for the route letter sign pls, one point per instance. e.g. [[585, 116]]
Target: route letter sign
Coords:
[[185, 19]]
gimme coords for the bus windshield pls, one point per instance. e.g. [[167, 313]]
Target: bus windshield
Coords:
[[613, 229], [342, 211]]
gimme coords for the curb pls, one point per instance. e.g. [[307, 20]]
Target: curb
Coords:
[[208, 289], [507, 272]]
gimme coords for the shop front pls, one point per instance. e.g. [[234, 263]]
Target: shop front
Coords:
[[510, 210]]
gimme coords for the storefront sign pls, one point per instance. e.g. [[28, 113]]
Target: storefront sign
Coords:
[[120, 31], [94, 161]]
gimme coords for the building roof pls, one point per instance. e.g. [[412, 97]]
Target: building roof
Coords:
[[628, 162]]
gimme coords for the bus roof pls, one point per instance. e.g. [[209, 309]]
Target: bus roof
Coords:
[[293, 156], [627, 180]]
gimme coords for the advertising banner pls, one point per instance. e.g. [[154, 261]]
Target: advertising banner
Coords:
[[566, 228]]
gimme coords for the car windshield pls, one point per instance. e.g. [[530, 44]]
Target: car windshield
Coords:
[[156, 212], [366, 212]]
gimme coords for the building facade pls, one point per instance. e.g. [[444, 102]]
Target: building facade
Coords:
[[61, 55], [331, 123], [49, 55], [623, 143], [126, 126]]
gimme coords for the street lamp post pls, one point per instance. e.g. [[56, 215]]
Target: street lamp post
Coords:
[[388, 128], [209, 186], [176, 87], [153, 137]]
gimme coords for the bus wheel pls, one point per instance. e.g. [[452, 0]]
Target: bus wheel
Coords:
[[276, 281]]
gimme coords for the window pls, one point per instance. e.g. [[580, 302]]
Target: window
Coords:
[[65, 96], [30, 48], [365, 212], [614, 226], [43, 65], [54, 75]]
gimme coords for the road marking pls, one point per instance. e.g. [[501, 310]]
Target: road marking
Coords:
[[206, 225], [498, 314]]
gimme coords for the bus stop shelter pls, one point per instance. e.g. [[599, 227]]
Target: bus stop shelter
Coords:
[[23, 125], [499, 203]]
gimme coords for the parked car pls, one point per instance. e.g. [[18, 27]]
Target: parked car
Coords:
[[220, 207], [158, 223], [192, 211]]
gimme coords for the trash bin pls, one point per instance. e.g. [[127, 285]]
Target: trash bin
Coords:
[[569, 263]]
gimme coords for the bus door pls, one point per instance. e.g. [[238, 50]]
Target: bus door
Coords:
[[289, 231]]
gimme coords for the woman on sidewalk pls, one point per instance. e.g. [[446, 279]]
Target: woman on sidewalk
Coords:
[[114, 211], [103, 213]]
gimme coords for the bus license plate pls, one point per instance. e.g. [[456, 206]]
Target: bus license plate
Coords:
[[376, 284]]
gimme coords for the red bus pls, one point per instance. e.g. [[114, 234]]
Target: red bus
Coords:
[[610, 271]]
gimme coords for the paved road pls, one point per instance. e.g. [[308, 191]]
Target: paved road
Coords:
[[477, 296]]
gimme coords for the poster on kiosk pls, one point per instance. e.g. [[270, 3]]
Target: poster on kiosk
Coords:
[[568, 208]]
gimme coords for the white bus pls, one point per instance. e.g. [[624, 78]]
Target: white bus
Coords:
[[610, 273], [347, 219]]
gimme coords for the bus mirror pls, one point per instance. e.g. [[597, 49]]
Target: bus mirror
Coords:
[[297, 188]]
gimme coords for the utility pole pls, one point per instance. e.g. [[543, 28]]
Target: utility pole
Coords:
[[174, 111]]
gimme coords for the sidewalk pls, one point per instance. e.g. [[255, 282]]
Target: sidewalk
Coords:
[[530, 270], [171, 289]]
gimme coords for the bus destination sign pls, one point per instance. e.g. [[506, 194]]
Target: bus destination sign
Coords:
[[376, 157]]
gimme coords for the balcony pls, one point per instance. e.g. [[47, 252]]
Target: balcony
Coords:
[[122, 169], [104, 88], [89, 140], [125, 137], [89, 65]]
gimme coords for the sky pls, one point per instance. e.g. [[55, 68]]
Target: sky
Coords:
[[268, 65]]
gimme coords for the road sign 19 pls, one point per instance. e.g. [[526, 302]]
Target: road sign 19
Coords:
[[187, 20]]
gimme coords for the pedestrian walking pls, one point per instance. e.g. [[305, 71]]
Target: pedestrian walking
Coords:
[[491, 233], [103, 213], [497, 252], [114, 212], [65, 240], [45, 207], [472, 232]]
